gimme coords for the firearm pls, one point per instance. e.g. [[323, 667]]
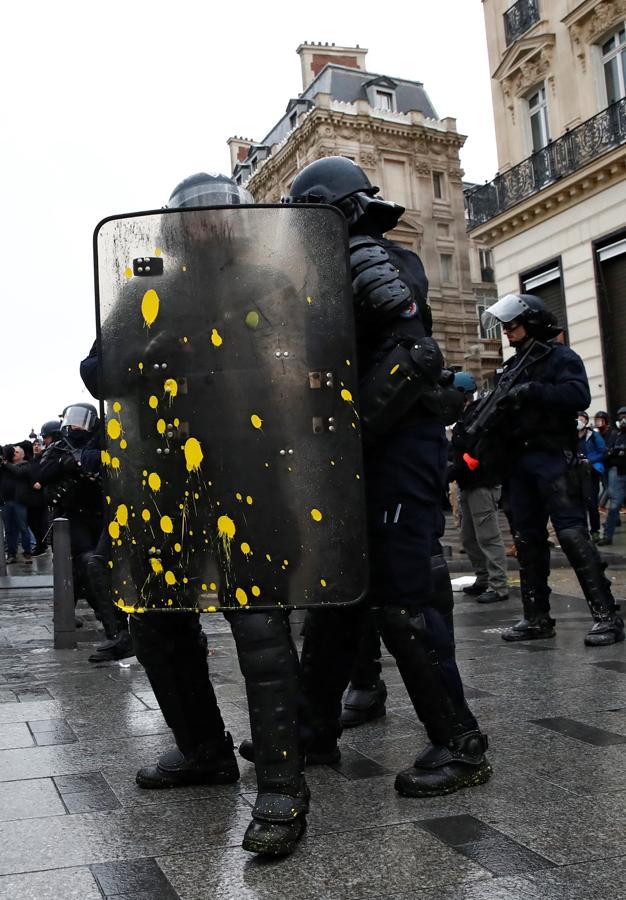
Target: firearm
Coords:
[[483, 421]]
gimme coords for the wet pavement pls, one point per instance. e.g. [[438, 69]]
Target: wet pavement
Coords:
[[549, 824]]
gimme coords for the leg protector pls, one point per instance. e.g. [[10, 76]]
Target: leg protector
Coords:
[[172, 649], [586, 563], [269, 664], [99, 594], [423, 648]]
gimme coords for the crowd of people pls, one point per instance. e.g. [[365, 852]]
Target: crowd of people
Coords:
[[521, 444]]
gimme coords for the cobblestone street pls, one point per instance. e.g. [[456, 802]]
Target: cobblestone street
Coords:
[[549, 824]]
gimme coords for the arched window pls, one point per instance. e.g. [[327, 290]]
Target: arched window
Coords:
[[614, 64]]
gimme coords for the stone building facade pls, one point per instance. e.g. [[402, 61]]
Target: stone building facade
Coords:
[[555, 213], [390, 128]]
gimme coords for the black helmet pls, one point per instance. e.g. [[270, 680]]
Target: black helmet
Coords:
[[51, 428], [527, 309], [621, 412], [79, 415], [602, 414], [340, 182], [330, 180], [208, 189]]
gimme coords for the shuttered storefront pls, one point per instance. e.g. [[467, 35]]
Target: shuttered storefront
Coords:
[[611, 260], [547, 283]]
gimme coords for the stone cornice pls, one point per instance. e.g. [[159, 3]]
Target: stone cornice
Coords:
[[606, 171], [321, 124], [526, 63], [589, 21]]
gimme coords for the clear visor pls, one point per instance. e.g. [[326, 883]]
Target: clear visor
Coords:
[[78, 417], [503, 311], [220, 193]]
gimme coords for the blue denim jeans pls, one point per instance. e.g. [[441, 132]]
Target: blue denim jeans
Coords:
[[16, 527], [617, 494]]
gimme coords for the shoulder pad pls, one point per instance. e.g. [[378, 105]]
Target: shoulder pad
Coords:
[[378, 289]]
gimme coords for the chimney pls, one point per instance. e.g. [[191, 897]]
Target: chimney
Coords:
[[313, 58], [238, 150]]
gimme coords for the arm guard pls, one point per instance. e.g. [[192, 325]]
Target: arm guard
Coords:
[[379, 292], [397, 381]]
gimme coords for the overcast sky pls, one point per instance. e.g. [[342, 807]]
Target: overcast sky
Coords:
[[106, 106]]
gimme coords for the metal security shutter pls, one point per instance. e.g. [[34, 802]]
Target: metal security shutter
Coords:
[[613, 322], [547, 284]]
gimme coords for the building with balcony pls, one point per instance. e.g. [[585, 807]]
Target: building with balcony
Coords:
[[391, 129], [555, 214]]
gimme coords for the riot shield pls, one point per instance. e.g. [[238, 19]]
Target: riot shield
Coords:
[[228, 367]]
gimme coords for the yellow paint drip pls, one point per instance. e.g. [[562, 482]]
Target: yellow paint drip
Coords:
[[145, 515], [323, 582], [122, 514], [117, 406], [115, 463], [216, 338], [105, 456], [154, 481], [245, 549], [157, 566], [193, 454], [128, 272], [176, 423], [257, 421], [157, 252], [238, 497], [309, 300], [153, 402], [171, 387], [213, 586], [316, 515], [140, 366], [167, 525], [160, 426], [348, 363], [346, 395], [114, 429], [268, 557], [114, 530], [170, 578], [252, 319], [241, 596], [123, 444], [395, 369], [150, 307], [249, 500], [178, 547], [256, 591], [226, 527]]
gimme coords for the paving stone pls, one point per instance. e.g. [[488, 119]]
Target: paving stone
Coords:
[[15, 735], [58, 884], [370, 861], [29, 799], [135, 878]]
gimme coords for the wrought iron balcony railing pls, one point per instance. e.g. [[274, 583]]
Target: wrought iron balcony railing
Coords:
[[519, 18], [562, 157]]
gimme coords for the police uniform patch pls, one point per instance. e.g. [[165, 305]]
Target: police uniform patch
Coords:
[[410, 311]]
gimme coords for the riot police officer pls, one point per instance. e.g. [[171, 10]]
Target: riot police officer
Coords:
[[173, 650], [69, 472], [405, 462], [531, 418]]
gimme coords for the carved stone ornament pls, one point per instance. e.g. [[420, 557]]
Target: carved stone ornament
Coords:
[[590, 27], [422, 168], [530, 72], [369, 158]]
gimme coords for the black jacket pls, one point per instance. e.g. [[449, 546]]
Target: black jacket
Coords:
[[615, 456], [545, 417]]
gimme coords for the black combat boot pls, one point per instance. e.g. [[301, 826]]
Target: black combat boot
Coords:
[[119, 647], [212, 763], [269, 664], [534, 629], [362, 704], [422, 643], [534, 570], [173, 650], [444, 769], [608, 627]]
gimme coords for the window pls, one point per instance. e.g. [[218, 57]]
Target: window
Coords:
[[438, 185], [486, 265], [293, 119], [384, 100], [546, 282], [493, 333], [614, 63], [446, 260], [538, 112]]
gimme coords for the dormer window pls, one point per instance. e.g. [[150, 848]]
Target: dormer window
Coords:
[[384, 100]]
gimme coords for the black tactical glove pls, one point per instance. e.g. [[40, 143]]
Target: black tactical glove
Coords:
[[520, 395]]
